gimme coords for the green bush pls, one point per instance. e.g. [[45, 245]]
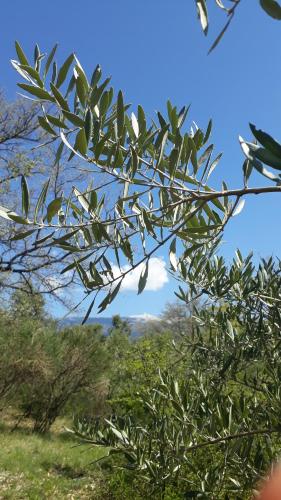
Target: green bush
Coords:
[[45, 371]]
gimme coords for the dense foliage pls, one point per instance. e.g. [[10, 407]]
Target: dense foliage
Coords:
[[210, 425], [158, 171], [46, 372], [193, 411]]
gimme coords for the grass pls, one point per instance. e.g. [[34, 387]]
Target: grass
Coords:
[[52, 467]]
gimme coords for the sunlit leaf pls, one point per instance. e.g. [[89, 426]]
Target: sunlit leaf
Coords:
[[64, 70], [36, 91], [239, 208]]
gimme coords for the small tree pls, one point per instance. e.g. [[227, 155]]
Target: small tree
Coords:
[[45, 371], [75, 363], [214, 429], [21, 360]]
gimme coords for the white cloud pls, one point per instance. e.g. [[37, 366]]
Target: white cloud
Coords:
[[157, 276]]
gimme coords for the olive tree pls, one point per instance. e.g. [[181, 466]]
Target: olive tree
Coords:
[[215, 430], [159, 173], [223, 417]]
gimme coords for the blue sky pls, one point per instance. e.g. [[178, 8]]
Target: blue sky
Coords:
[[155, 50]]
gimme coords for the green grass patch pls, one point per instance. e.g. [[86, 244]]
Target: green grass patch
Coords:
[[35, 467]]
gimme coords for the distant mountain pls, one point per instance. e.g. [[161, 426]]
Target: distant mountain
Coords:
[[106, 323]]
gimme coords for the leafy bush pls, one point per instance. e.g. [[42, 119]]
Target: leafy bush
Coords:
[[214, 429], [44, 370]]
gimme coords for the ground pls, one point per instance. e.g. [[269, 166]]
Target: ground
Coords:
[[52, 467]]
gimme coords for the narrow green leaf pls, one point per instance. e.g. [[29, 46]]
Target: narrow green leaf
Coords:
[[82, 200], [49, 60], [247, 170], [17, 218], [53, 208], [109, 297], [108, 266], [93, 200], [25, 196], [162, 121], [88, 125], [37, 55], [135, 162], [88, 311], [239, 208], [115, 291], [135, 125], [143, 278], [81, 91], [258, 155], [266, 141], [45, 238], [105, 302], [56, 121], [120, 114], [21, 55], [4, 212], [203, 14], [96, 76], [104, 103], [162, 146], [172, 255], [64, 70], [36, 91], [59, 153], [59, 98], [33, 73], [21, 236], [267, 157], [141, 119], [21, 72], [79, 70], [208, 132], [272, 8], [46, 126], [81, 144], [97, 92], [73, 264], [54, 72], [41, 199], [65, 237], [221, 34], [83, 275], [212, 166], [182, 116], [70, 86], [74, 150], [76, 120]]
